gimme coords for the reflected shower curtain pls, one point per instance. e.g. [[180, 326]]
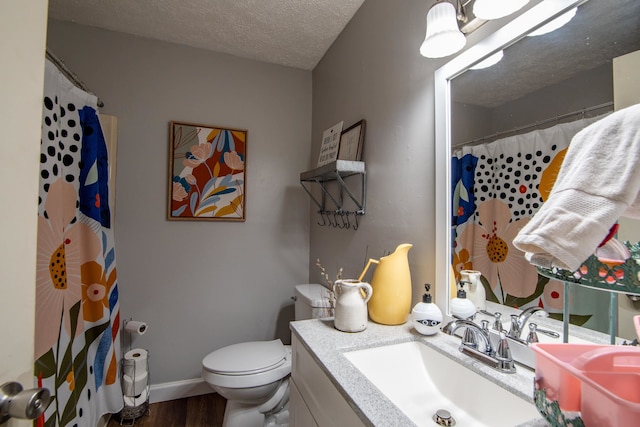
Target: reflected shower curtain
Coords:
[[497, 188], [77, 345]]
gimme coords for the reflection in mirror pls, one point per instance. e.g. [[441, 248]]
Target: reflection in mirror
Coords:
[[510, 125]]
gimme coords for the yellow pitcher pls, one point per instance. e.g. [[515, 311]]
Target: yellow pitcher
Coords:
[[390, 303]]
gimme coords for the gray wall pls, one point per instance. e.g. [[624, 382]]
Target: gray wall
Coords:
[[586, 89], [200, 285], [374, 71]]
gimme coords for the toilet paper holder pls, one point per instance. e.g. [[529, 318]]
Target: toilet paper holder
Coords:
[[137, 405], [25, 404]]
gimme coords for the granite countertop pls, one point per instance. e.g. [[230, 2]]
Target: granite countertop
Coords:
[[327, 345]]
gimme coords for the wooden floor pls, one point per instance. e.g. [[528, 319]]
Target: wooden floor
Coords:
[[206, 410]]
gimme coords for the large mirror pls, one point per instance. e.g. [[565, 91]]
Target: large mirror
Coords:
[[520, 115]]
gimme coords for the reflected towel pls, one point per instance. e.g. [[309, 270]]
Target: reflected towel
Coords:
[[599, 181]]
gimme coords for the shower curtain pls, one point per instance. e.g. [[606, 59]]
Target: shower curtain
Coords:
[[77, 340], [497, 187]]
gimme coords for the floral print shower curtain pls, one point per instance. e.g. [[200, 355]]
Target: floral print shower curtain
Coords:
[[496, 188], [77, 340]]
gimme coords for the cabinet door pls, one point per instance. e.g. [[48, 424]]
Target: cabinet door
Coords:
[[327, 406], [299, 414]]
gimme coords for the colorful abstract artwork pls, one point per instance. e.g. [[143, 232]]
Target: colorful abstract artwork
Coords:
[[208, 173]]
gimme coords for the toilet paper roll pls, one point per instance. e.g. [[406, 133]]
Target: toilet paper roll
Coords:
[[135, 362], [133, 402], [134, 386], [135, 327]]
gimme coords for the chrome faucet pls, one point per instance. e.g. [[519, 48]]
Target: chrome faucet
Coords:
[[518, 321], [500, 360], [472, 334]]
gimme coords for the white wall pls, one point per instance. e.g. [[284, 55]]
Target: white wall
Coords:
[[200, 285], [20, 120]]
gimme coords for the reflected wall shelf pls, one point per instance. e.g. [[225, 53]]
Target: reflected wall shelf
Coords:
[[617, 277], [612, 277], [336, 172]]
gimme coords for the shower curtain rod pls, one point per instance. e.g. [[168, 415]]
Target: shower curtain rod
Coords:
[[536, 124], [70, 74]]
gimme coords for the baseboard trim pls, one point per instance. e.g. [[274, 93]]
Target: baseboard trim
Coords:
[[178, 390]]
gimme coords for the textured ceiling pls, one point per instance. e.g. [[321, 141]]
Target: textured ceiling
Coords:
[[600, 31], [294, 33]]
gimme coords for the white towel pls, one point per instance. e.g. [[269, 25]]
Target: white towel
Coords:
[[599, 181]]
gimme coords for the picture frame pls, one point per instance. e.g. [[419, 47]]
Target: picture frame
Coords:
[[207, 172], [352, 141], [330, 144]]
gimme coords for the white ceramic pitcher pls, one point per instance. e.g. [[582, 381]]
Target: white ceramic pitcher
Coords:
[[475, 291], [351, 307]]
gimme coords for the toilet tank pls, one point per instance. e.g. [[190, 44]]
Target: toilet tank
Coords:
[[312, 301]]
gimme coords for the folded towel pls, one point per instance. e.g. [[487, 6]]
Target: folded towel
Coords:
[[599, 181]]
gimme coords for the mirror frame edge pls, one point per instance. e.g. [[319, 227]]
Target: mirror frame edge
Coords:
[[510, 33]]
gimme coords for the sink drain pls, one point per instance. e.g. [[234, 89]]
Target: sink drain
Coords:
[[443, 418]]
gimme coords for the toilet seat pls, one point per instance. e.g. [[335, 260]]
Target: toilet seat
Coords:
[[246, 358], [247, 364]]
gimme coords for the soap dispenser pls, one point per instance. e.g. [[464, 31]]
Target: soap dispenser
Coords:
[[426, 315], [461, 306]]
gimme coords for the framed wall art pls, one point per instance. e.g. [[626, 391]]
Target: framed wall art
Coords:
[[330, 144], [351, 142], [207, 169]]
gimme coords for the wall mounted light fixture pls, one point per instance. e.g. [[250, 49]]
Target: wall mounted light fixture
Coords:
[[443, 37]]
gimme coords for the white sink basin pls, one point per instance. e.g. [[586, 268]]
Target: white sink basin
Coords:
[[420, 381]]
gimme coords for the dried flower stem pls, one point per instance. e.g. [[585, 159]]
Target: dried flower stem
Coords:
[[325, 276]]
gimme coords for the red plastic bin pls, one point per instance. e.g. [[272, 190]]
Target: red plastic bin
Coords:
[[556, 374], [610, 379]]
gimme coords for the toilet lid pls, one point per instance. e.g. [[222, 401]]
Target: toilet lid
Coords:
[[246, 358]]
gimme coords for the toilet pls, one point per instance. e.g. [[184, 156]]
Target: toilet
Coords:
[[254, 376]]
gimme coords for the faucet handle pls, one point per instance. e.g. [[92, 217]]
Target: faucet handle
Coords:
[[514, 331], [497, 323], [469, 338], [503, 352], [533, 335]]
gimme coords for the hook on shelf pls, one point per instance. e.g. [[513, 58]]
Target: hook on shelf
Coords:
[[346, 224], [335, 219], [324, 221], [329, 219], [355, 216], [340, 219]]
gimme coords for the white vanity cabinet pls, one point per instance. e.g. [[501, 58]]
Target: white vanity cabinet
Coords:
[[314, 400]]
